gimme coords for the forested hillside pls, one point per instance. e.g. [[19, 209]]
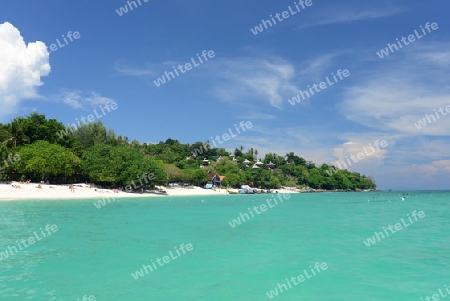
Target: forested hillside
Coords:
[[35, 148]]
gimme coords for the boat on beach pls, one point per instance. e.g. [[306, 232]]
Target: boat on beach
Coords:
[[245, 189], [157, 191]]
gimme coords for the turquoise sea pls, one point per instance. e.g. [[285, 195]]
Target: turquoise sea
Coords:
[[94, 251]]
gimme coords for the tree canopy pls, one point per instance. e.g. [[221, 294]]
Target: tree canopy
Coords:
[[91, 153]]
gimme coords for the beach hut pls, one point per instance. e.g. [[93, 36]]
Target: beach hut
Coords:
[[205, 162], [216, 179]]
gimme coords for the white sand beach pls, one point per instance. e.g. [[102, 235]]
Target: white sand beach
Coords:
[[17, 191]]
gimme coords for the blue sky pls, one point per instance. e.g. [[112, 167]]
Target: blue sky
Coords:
[[250, 78]]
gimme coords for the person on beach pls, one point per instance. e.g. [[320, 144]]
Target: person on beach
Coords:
[[39, 186], [71, 188]]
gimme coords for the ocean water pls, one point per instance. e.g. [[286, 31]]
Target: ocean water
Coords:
[[94, 252]]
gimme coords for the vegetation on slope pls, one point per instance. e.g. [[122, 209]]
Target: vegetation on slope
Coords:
[[35, 148]]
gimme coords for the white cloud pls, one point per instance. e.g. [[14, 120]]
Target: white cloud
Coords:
[[271, 80], [257, 116], [340, 15], [396, 97], [21, 68], [442, 165], [124, 69], [72, 99], [96, 99], [429, 176], [439, 58], [388, 101], [319, 65], [80, 100], [430, 148], [349, 152], [267, 80]]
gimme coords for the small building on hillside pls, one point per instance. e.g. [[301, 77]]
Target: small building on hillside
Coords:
[[215, 179], [205, 162]]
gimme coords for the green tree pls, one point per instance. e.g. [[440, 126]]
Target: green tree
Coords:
[[198, 177], [173, 173], [42, 159], [120, 165], [36, 127], [232, 179], [168, 156], [90, 134], [13, 134], [113, 160]]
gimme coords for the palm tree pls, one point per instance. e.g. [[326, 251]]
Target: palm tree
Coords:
[[250, 152], [4, 135], [291, 164], [279, 160], [207, 144], [12, 134], [241, 148]]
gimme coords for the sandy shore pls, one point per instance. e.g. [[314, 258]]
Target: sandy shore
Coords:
[[82, 191]]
